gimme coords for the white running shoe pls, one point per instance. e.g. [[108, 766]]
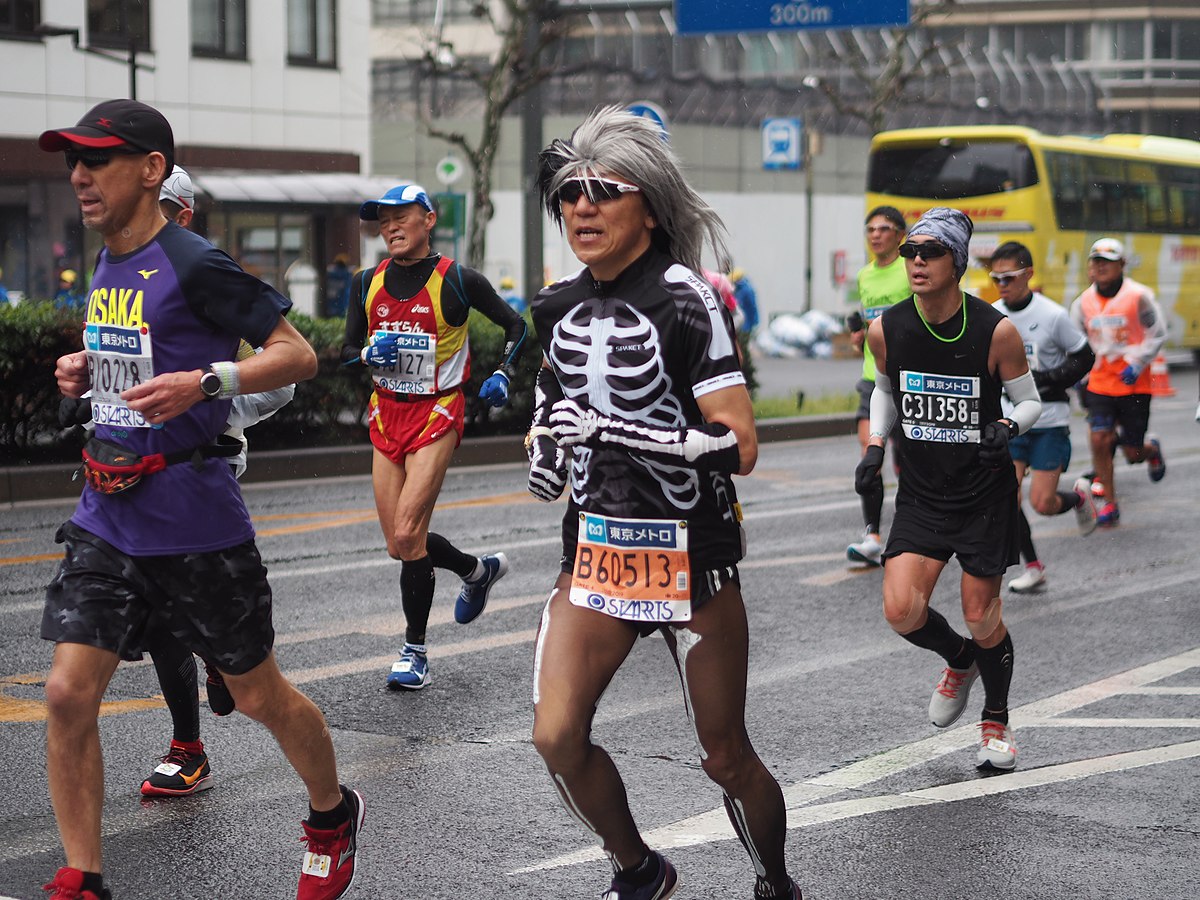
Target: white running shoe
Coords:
[[1085, 512], [950, 696], [1033, 580], [997, 751], [868, 550]]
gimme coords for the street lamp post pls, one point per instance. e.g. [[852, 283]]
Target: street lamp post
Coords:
[[47, 30]]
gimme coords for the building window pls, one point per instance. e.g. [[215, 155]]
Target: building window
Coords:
[[119, 23], [1131, 40], [420, 12], [312, 32], [219, 28], [19, 16]]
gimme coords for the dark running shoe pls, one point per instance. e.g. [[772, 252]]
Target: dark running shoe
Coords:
[[180, 773], [660, 887], [1108, 515], [220, 701], [792, 894], [1156, 466], [68, 885], [328, 868], [474, 594]]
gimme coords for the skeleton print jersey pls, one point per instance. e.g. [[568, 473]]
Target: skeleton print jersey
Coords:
[[643, 348]]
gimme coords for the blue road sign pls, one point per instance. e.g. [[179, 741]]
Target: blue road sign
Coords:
[[781, 143], [651, 111], [717, 16]]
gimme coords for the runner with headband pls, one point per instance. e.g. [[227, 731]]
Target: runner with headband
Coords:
[[942, 358]]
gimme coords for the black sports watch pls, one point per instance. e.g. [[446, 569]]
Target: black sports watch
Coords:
[[210, 384]]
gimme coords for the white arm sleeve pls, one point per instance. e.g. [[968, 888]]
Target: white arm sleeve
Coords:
[[1027, 404], [249, 409], [1155, 325], [883, 410]]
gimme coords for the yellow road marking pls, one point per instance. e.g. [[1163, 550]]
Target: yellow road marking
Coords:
[[331, 519], [17, 560]]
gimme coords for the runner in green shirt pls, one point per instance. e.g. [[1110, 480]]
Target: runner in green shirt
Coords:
[[881, 283]]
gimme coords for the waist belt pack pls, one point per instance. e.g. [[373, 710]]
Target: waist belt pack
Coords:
[[109, 468]]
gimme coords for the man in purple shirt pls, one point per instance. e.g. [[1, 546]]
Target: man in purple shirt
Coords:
[[161, 530]]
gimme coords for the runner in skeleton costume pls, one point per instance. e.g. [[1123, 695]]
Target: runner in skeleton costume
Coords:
[[641, 385]]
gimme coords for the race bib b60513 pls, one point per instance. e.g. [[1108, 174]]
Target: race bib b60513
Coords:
[[633, 569]]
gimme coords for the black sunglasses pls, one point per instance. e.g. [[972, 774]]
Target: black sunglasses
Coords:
[[97, 157], [927, 251], [597, 189]]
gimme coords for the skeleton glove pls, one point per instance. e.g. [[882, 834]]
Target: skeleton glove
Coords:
[[711, 447], [547, 467]]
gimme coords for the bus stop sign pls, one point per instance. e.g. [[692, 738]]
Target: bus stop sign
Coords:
[[726, 16]]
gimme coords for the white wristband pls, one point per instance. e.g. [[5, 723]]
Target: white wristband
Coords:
[[228, 373]]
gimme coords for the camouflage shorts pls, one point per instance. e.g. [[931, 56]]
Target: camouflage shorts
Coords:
[[218, 604]]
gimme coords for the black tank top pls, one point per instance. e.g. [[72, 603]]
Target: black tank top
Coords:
[[944, 395]]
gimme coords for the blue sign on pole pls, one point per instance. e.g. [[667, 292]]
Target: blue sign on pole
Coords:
[[723, 16], [781, 143], [652, 111]]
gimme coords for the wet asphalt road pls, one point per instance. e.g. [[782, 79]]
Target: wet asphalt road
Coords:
[[1106, 701]]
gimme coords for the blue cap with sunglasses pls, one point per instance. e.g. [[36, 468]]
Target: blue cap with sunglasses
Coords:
[[114, 126], [400, 195]]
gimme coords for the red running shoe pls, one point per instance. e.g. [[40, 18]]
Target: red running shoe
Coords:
[[328, 869], [68, 885]]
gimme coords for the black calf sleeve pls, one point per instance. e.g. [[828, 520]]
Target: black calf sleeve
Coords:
[[1069, 500], [937, 635], [416, 596], [995, 671], [872, 506], [1027, 549], [445, 555], [176, 668]]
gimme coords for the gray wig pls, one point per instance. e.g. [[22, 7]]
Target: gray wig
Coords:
[[613, 141]]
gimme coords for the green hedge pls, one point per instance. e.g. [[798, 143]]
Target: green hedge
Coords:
[[32, 338], [328, 409]]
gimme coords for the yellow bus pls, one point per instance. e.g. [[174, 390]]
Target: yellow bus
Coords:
[[1057, 195]]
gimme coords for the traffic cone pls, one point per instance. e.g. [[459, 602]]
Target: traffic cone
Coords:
[[1160, 382]]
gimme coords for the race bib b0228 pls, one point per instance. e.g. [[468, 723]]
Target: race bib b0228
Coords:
[[633, 569], [118, 358]]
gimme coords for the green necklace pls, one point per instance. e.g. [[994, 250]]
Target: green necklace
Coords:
[[961, 331]]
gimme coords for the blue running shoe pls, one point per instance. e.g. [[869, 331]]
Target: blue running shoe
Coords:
[[411, 671], [474, 594], [660, 887], [1108, 515], [1155, 464]]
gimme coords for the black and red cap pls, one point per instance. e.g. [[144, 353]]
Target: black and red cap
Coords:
[[115, 123]]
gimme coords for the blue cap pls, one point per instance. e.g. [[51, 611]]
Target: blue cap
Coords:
[[400, 195]]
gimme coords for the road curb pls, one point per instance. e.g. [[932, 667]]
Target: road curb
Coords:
[[53, 482]]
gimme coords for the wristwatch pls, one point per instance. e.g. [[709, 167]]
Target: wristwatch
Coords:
[[210, 384]]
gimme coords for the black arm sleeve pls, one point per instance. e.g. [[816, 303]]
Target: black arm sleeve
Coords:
[[356, 319], [1052, 384], [467, 289]]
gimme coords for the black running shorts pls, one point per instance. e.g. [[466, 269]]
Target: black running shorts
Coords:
[[985, 540], [1131, 412], [218, 604]]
